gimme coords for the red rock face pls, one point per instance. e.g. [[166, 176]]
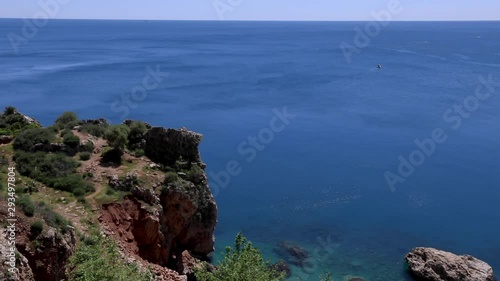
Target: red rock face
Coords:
[[161, 232], [48, 260], [179, 223]]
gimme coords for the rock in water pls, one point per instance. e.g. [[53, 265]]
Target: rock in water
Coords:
[[435, 265]]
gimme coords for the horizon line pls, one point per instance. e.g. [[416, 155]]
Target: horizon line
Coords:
[[260, 20]]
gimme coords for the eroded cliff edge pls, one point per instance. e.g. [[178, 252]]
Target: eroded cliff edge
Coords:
[[159, 224]]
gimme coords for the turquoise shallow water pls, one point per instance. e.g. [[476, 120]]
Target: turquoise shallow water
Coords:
[[322, 175]]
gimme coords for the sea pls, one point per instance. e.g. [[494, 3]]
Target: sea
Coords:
[[306, 140]]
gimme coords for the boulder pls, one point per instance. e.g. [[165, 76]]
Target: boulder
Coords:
[[436, 265], [167, 146], [6, 139]]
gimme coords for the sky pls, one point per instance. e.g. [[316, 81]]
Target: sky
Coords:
[[322, 10]]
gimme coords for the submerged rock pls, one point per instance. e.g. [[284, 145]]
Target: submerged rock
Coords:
[[435, 265], [292, 253]]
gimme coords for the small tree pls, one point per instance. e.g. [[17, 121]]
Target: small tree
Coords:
[[243, 263], [71, 140], [66, 120], [117, 136], [9, 110], [29, 138], [36, 228], [98, 259], [137, 131]]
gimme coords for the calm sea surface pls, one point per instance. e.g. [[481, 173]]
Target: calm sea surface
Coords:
[[318, 178]]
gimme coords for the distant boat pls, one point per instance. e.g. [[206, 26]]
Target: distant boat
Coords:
[[379, 66]]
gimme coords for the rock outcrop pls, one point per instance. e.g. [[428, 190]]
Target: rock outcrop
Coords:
[[435, 265], [166, 146], [48, 259], [6, 139], [173, 227], [40, 259]]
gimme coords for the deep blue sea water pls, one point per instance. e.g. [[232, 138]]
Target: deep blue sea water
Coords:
[[321, 178]]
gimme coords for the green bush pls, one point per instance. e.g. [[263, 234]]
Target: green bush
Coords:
[[87, 147], [44, 167], [73, 183], [137, 131], [55, 170], [110, 191], [117, 136], [9, 110], [12, 122], [243, 263], [71, 140], [26, 205], [94, 129], [36, 228], [98, 259], [85, 156], [170, 177], [195, 174], [5, 132], [138, 152], [27, 139], [79, 192], [67, 120]]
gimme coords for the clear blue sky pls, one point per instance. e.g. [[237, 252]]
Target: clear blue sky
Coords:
[[257, 9]]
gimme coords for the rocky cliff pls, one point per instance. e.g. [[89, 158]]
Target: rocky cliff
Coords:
[[163, 226], [38, 258]]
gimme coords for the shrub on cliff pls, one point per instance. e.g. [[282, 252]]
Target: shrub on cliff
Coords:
[[71, 140], [26, 205], [85, 156], [136, 135], [36, 228], [12, 122], [117, 136], [243, 263], [9, 110], [52, 218], [55, 170], [27, 139], [98, 259], [94, 129], [67, 120]]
